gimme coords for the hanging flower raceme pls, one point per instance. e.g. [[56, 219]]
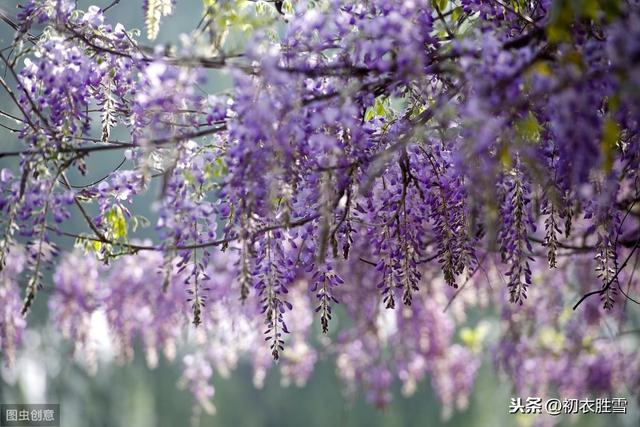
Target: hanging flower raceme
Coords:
[[12, 324], [383, 168], [517, 223]]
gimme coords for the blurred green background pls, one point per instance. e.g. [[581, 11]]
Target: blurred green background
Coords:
[[134, 395]]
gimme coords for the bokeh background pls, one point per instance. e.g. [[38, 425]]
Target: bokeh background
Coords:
[[134, 395]]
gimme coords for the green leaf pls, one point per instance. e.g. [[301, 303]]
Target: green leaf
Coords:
[[139, 221], [528, 128], [551, 339], [590, 8], [505, 157], [116, 223], [559, 28], [381, 107], [474, 338], [610, 137], [287, 7], [456, 13], [566, 12]]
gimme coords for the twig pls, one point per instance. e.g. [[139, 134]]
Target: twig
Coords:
[[615, 276]]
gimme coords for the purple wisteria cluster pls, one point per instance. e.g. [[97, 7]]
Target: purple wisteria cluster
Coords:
[[380, 168]]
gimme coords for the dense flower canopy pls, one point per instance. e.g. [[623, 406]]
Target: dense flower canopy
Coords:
[[384, 168]]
